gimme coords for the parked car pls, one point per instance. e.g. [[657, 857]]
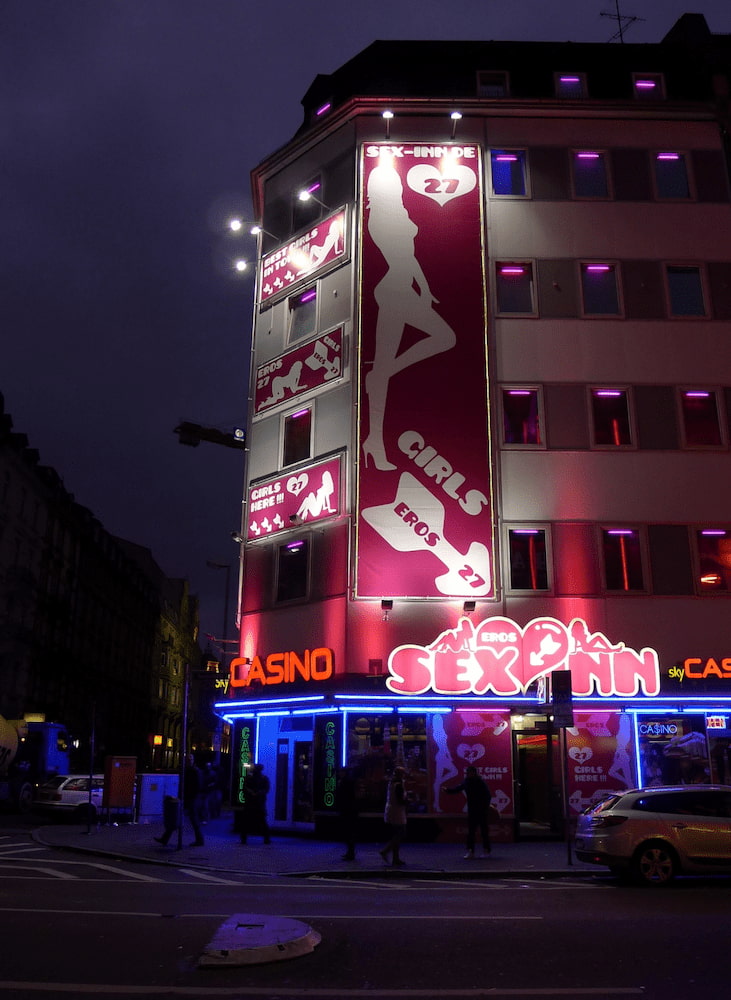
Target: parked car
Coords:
[[657, 833], [68, 795]]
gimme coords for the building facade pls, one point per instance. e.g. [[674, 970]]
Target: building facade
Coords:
[[92, 633], [485, 518]]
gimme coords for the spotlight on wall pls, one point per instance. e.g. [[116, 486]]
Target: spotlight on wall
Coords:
[[239, 539], [295, 520], [307, 195], [455, 116], [387, 116], [468, 607], [386, 607]]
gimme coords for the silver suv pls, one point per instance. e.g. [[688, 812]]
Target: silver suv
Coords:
[[656, 833]]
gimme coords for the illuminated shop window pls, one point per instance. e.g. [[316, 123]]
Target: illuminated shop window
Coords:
[[292, 570], [701, 423], [685, 290], [648, 86], [508, 172], [297, 436], [570, 86], [714, 560], [492, 83], [303, 314], [521, 418], [304, 213], [589, 171], [622, 559], [610, 414], [515, 288], [599, 289], [671, 175], [528, 561]]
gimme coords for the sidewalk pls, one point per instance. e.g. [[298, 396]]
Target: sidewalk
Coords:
[[300, 856]]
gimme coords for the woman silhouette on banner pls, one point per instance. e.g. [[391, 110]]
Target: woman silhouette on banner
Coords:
[[403, 298]]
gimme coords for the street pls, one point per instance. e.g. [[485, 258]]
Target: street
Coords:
[[108, 927]]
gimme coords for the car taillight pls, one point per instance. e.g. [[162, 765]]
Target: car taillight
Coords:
[[601, 822]]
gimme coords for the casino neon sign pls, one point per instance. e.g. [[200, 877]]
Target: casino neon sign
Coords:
[[282, 668], [498, 656]]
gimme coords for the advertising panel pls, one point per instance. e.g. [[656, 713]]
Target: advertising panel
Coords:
[[599, 751], [299, 371], [304, 257], [672, 749], [425, 525], [310, 494], [479, 739]]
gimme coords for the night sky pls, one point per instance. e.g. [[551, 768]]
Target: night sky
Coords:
[[129, 128]]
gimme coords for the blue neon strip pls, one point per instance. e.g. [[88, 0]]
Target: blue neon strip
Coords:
[[268, 701], [266, 715]]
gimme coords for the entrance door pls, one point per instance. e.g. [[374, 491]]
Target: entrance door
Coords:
[[293, 782], [538, 781]]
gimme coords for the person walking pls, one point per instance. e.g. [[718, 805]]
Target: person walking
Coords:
[[478, 797], [395, 817], [256, 789], [192, 787], [346, 803]]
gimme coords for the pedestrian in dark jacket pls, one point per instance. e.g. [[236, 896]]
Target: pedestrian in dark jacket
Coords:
[[346, 803], [256, 789], [193, 786], [478, 797]]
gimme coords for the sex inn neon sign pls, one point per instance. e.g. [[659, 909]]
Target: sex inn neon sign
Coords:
[[282, 668], [499, 657]]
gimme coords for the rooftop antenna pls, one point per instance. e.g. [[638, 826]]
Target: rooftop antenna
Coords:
[[623, 21]]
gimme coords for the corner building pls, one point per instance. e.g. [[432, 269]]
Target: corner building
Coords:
[[486, 515]]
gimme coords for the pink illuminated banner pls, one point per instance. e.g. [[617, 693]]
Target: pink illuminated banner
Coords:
[[599, 752], [310, 494], [303, 257], [477, 739], [425, 524], [498, 657], [306, 368]]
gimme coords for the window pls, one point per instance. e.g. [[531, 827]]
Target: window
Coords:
[[622, 559], [714, 560], [570, 86], [303, 314], [508, 172], [648, 86], [492, 83], [297, 437], [671, 175], [701, 424], [292, 570], [521, 419], [610, 413], [599, 288], [528, 563], [307, 211], [685, 290], [589, 170], [515, 288]]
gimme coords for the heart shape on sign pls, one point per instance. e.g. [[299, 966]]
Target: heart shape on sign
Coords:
[[441, 185], [580, 754], [295, 484], [471, 752], [528, 653]]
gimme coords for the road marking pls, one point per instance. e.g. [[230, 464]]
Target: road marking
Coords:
[[312, 915], [313, 991], [207, 878], [52, 872]]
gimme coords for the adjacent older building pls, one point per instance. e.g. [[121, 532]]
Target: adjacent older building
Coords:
[[486, 517], [92, 633]]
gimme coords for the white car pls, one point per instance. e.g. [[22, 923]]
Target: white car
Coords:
[[656, 833], [68, 795]]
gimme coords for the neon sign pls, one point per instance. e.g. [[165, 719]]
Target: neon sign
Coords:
[[243, 761], [282, 668], [696, 669], [328, 798], [499, 656]]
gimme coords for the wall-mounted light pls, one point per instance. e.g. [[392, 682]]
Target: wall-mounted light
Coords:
[[455, 116], [240, 265], [387, 116], [255, 230], [308, 194], [386, 608]]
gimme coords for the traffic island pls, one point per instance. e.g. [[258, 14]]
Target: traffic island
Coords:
[[253, 939]]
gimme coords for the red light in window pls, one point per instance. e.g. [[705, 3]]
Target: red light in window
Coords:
[[711, 579], [645, 84], [512, 270], [598, 268], [506, 158], [668, 156], [587, 156]]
